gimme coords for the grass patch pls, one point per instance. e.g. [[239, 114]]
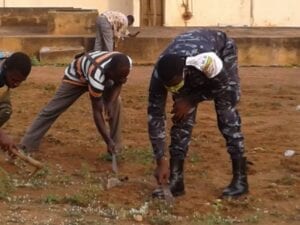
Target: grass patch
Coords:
[[85, 197], [139, 156], [286, 180], [35, 61], [6, 185], [214, 217], [52, 199]]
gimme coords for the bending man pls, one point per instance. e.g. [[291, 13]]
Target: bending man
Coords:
[[197, 66], [102, 74]]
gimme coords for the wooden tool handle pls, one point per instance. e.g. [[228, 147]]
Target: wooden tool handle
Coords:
[[27, 158]]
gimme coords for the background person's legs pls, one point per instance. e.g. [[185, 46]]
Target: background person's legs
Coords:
[[104, 40]]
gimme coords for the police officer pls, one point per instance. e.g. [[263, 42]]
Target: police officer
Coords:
[[197, 65], [14, 69]]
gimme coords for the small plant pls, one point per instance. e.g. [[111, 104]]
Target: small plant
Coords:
[[161, 212], [35, 61], [76, 199], [40, 178], [194, 158], [52, 199], [159, 220], [140, 156], [5, 184], [49, 88], [286, 180], [85, 197], [84, 171], [215, 217], [252, 219], [105, 157]]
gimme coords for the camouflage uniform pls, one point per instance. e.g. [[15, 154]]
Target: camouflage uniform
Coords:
[[224, 90]]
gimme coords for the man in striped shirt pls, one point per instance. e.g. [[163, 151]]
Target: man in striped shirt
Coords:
[[111, 26], [102, 74]]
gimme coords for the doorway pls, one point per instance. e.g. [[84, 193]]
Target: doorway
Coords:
[[152, 13]]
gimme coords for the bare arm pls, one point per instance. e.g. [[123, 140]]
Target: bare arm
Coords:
[[98, 109], [6, 142], [111, 93]]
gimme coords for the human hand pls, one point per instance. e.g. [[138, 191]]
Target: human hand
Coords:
[[108, 109], [111, 147], [135, 34], [161, 172], [6, 143], [181, 108]]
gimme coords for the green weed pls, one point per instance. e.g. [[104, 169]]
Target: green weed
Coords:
[[6, 185], [214, 217], [286, 180], [52, 199], [35, 61], [139, 156], [85, 197]]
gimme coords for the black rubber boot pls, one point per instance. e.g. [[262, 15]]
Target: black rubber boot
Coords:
[[176, 177], [239, 183], [176, 183]]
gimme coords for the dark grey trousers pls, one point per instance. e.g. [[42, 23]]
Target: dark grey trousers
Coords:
[[64, 97], [104, 40]]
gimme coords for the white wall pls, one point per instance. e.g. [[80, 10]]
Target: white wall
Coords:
[[125, 6], [205, 12], [276, 13], [234, 13], [208, 12]]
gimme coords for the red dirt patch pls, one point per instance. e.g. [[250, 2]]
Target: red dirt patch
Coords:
[[77, 165]]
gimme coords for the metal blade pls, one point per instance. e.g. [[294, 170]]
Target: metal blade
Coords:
[[168, 194], [114, 163]]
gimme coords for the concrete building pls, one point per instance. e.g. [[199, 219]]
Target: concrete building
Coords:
[[256, 13]]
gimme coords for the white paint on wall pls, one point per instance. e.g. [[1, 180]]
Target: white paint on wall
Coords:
[[208, 13], [204, 12], [276, 13]]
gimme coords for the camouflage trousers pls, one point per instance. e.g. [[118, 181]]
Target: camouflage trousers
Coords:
[[229, 124]]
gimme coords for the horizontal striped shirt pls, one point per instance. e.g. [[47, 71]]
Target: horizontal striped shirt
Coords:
[[83, 72]]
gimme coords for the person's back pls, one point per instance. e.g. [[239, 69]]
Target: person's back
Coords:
[[197, 41]]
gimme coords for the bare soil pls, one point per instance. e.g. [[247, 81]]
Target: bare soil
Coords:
[[72, 188]]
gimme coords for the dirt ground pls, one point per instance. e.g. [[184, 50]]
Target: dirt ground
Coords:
[[71, 190]]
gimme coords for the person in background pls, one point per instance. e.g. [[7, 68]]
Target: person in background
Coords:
[[14, 69], [111, 26], [197, 66], [102, 74]]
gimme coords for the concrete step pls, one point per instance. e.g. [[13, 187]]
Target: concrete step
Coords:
[[257, 46], [59, 54]]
